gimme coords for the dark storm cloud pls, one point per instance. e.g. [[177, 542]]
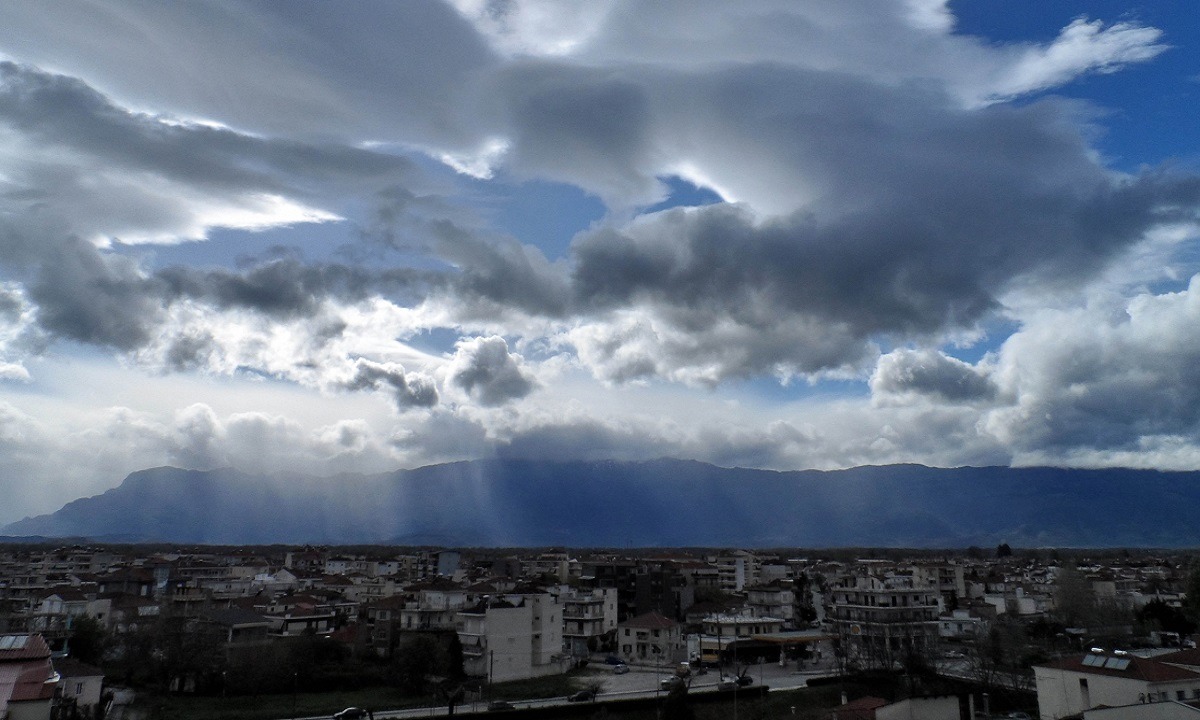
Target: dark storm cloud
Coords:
[[930, 373], [373, 69], [58, 111], [496, 274], [90, 296], [409, 390], [485, 370], [103, 300], [918, 217], [95, 168], [290, 287], [584, 126]]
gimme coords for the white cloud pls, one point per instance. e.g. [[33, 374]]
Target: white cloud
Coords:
[[1083, 46]]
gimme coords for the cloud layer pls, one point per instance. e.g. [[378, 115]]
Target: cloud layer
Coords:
[[919, 254]]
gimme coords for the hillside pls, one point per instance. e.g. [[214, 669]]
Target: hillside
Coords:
[[657, 503]]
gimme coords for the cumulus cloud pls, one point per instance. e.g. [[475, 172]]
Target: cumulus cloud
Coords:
[[1110, 376], [409, 390], [485, 370], [928, 373], [723, 294]]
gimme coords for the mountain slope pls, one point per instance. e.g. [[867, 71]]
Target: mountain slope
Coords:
[[657, 503]]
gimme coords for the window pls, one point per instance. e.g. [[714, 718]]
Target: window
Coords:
[[78, 688], [1181, 694]]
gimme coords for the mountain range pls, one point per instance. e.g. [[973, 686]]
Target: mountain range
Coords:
[[511, 503]]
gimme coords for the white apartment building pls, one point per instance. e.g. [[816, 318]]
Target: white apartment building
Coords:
[[586, 614], [736, 570], [512, 637], [1076, 684]]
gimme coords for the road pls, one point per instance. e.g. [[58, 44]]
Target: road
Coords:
[[640, 682]]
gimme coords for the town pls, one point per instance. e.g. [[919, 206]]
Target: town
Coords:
[[147, 631]]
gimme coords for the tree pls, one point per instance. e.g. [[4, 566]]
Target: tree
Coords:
[[595, 687], [89, 640], [1075, 603], [413, 660], [676, 706], [1003, 550], [1191, 589], [1166, 617]]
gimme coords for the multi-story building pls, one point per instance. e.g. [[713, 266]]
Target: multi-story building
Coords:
[[948, 578], [512, 637], [619, 574], [587, 616], [883, 619], [736, 570], [660, 587], [775, 599], [721, 633], [651, 638]]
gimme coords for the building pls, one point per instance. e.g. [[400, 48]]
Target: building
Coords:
[[962, 625], [736, 570], [587, 617], [883, 619], [513, 637], [722, 635], [651, 638], [775, 599], [27, 679], [82, 685], [1078, 683]]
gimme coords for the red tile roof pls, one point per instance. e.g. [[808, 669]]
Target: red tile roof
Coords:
[[33, 685], [1144, 669], [1190, 656], [33, 648]]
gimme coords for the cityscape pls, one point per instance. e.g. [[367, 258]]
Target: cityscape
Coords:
[[143, 631]]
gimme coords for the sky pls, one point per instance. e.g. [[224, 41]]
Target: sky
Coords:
[[328, 237]]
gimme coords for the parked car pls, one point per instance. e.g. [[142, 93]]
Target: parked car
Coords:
[[744, 680], [726, 683], [620, 669], [352, 713], [495, 705], [670, 683], [613, 660], [582, 696]]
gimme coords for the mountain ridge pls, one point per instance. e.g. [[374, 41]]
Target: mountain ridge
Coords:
[[662, 502]]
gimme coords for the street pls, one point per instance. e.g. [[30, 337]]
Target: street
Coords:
[[639, 682]]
